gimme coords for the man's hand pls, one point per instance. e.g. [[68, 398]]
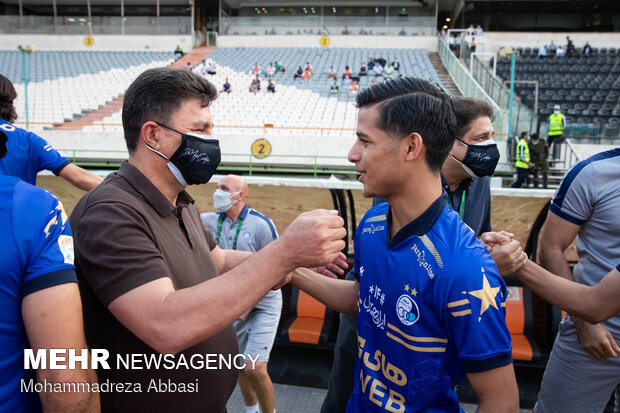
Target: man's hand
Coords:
[[596, 340], [314, 238], [505, 251], [338, 266]]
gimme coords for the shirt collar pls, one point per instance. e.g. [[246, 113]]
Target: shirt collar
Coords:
[[419, 226], [462, 186], [242, 214], [150, 192]]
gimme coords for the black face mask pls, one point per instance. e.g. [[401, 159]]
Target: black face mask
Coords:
[[196, 159], [481, 159]]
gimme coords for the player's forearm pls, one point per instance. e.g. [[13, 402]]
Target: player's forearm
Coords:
[[340, 295], [553, 260], [70, 401]]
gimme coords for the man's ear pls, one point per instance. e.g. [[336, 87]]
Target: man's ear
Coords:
[[414, 147], [149, 134]]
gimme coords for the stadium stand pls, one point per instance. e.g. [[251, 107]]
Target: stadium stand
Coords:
[[588, 88], [66, 84]]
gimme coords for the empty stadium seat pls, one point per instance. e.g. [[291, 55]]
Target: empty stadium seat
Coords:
[[309, 321]]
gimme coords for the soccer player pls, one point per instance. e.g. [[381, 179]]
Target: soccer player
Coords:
[[428, 296]]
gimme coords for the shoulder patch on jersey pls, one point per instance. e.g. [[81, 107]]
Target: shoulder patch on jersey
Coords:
[[65, 243]]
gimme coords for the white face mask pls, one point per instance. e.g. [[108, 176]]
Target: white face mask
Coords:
[[222, 201]]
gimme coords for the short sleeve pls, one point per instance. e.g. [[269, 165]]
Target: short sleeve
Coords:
[[574, 198], [43, 234], [46, 156], [113, 268], [472, 301], [267, 234]]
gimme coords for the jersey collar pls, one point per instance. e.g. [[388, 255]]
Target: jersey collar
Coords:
[[419, 226]]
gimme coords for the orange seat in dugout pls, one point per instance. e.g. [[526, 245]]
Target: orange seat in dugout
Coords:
[[310, 321], [520, 321]]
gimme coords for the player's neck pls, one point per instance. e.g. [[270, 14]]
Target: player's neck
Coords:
[[407, 205]]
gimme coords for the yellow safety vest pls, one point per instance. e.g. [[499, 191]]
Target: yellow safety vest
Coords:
[[526, 155], [556, 124]]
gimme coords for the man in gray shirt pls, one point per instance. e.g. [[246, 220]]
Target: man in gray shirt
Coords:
[[583, 369], [239, 227]]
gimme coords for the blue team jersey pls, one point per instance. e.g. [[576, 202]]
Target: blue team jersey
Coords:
[[430, 308], [36, 252], [28, 154]]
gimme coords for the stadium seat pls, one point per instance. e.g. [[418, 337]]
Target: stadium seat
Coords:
[[520, 323], [309, 321]]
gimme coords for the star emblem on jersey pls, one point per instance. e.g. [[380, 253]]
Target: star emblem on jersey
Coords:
[[486, 295]]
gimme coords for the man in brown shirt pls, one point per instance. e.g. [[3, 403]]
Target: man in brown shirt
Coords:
[[150, 273]]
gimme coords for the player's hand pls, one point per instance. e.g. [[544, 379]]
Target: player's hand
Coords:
[[338, 266], [508, 256], [596, 340], [489, 239], [314, 238]]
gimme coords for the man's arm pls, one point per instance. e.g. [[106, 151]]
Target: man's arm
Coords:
[[593, 304], [557, 234], [172, 320], [340, 295], [53, 319], [79, 177], [496, 390], [226, 260]]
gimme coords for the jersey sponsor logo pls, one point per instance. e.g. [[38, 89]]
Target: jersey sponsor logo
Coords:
[[407, 310], [374, 307], [246, 234], [65, 243], [372, 229]]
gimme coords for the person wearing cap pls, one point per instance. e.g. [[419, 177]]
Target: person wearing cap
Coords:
[[557, 123]]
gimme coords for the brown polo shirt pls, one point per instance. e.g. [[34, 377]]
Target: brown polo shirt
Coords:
[[128, 234]]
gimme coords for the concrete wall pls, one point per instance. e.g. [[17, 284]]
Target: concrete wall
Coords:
[[413, 42], [101, 42], [493, 41]]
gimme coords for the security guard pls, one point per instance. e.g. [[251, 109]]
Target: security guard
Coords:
[[522, 161], [557, 122]]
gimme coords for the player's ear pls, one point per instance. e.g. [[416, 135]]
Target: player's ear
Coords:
[[414, 146]]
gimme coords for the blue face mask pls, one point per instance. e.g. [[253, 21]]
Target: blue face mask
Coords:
[[196, 159]]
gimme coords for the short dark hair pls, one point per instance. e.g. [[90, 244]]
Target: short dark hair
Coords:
[[523, 134], [412, 104], [157, 94], [7, 96], [535, 136], [468, 110]]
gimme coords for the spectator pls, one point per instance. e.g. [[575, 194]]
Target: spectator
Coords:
[[153, 280], [560, 52], [346, 74], [570, 47], [381, 61], [255, 69], [271, 87], [587, 50], [211, 68], [452, 42], [443, 33], [331, 73], [539, 153], [552, 48], [226, 87], [457, 44], [257, 79], [254, 86], [299, 73], [280, 67], [471, 30], [478, 31], [402, 32], [388, 72], [271, 70], [40, 306], [203, 69], [28, 154], [396, 65], [522, 161], [542, 52], [363, 70], [370, 64], [353, 89], [188, 65], [345, 31], [472, 45], [257, 330], [307, 75], [378, 69], [334, 87], [308, 68]]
